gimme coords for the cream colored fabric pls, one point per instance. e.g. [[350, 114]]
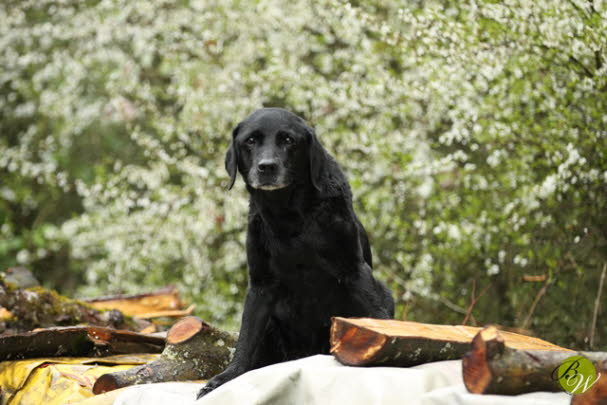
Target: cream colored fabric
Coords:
[[321, 380]]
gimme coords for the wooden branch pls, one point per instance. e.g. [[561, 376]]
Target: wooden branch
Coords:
[[38, 307], [375, 342], [473, 299], [89, 341], [434, 297], [536, 301], [194, 351], [492, 367], [585, 70], [597, 302], [472, 302]]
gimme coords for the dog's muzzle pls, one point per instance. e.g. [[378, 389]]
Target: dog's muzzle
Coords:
[[268, 175]]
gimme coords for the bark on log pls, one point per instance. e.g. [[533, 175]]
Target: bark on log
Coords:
[[89, 341], [378, 342], [492, 367], [194, 351], [38, 307]]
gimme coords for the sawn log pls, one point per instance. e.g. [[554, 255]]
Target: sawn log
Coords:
[[379, 342], [493, 367], [194, 351]]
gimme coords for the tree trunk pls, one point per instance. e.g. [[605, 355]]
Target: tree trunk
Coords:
[[194, 351]]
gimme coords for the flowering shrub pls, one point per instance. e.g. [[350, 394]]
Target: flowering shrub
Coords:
[[473, 133]]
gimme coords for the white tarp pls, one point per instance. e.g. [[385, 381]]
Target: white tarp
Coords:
[[321, 380]]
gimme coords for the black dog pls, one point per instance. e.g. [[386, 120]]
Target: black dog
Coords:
[[309, 256]]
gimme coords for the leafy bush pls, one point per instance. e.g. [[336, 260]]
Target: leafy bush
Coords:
[[473, 134]]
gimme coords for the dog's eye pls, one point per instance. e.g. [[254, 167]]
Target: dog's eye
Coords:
[[250, 140], [288, 140]]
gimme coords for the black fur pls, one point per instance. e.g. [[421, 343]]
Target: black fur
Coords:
[[308, 255]]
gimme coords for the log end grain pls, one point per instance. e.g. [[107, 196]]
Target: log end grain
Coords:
[[476, 370], [145, 373], [185, 329], [105, 383], [353, 345]]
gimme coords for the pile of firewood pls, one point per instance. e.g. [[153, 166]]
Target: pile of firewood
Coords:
[[36, 322], [494, 362]]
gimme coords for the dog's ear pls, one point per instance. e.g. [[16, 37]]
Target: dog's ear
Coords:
[[318, 159], [232, 158]]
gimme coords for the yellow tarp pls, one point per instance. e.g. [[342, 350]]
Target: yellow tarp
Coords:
[[59, 381]]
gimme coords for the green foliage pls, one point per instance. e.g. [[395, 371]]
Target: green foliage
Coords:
[[473, 134]]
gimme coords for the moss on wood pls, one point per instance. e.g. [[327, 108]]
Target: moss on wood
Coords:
[[38, 307]]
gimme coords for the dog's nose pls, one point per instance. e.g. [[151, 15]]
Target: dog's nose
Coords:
[[267, 166]]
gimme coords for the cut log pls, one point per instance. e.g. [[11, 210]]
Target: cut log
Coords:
[[89, 341], [379, 342], [194, 351], [493, 367], [184, 330], [38, 307], [163, 302]]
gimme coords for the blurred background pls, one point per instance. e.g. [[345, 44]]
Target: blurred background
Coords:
[[474, 135]]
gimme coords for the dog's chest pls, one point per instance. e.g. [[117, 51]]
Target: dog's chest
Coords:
[[302, 259], [309, 300]]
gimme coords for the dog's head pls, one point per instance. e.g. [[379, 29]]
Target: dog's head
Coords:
[[273, 149]]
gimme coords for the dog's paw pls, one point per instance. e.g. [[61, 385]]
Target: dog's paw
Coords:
[[204, 391], [213, 383]]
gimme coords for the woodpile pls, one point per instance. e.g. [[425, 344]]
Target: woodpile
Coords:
[[33, 319], [113, 325]]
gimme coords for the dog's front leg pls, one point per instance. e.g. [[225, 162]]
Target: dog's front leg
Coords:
[[255, 319]]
